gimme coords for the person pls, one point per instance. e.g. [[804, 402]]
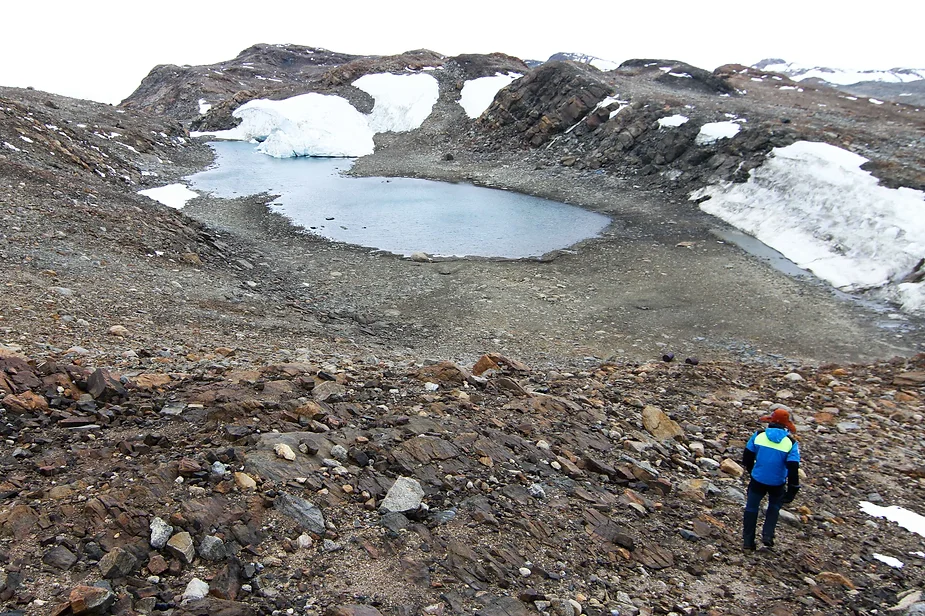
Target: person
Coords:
[[772, 457]]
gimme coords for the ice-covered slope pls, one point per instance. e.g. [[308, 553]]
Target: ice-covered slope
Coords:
[[326, 125], [813, 203]]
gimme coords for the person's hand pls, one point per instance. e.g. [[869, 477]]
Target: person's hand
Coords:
[[791, 494]]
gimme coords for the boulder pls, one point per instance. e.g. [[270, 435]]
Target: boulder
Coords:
[[659, 425]]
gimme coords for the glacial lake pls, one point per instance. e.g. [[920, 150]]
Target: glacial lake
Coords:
[[398, 215]]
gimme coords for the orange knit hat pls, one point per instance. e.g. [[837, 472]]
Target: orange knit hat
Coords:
[[782, 417]]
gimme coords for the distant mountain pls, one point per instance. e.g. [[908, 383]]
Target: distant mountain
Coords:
[[583, 58], [900, 85]]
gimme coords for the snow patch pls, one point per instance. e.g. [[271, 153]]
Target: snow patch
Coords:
[[478, 94], [172, 195], [889, 560], [714, 131], [403, 102], [672, 121], [813, 203], [204, 106]]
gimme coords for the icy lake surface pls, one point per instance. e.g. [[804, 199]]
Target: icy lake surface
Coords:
[[398, 215]]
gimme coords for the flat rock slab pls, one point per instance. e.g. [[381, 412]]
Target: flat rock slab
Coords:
[[305, 514], [261, 460]]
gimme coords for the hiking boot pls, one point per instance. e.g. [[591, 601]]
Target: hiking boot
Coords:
[[749, 547]]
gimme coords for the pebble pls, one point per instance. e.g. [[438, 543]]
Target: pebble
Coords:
[[284, 451], [244, 481]]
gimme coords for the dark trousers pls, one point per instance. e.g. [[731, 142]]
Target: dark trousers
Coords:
[[756, 493]]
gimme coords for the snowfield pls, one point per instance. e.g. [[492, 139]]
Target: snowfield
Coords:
[[403, 102], [327, 125], [813, 203], [478, 94]]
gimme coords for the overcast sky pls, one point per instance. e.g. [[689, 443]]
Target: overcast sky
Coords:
[[101, 49]]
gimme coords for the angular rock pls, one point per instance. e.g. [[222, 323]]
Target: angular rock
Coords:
[[117, 563], [160, 533], [90, 600], [910, 379], [659, 425], [405, 495], [305, 514], [212, 548], [227, 582], [181, 546], [284, 451], [25, 403], [103, 386], [443, 372], [731, 467], [244, 481], [328, 389], [59, 557]]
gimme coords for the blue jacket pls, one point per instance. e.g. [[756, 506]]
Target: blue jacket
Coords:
[[773, 457]]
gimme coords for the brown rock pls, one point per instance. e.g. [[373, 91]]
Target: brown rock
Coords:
[[484, 364], [443, 372], [90, 600], [659, 425], [25, 403], [181, 546], [227, 582], [910, 379], [834, 579], [151, 380], [211, 606], [157, 564], [731, 467], [18, 521]]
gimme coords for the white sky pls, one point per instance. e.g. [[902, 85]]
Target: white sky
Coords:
[[101, 49]]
